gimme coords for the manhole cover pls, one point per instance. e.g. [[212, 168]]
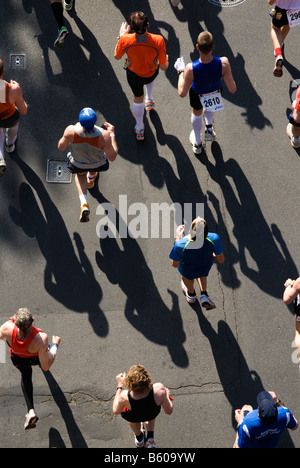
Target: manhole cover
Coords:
[[57, 172], [17, 61], [226, 3]]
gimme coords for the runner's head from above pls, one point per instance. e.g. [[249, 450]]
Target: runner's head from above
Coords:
[[205, 42], [23, 319], [138, 22], [87, 119]]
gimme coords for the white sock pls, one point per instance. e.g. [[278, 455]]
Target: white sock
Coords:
[[138, 112], [208, 117], [83, 199], [197, 124], [149, 91], [91, 177], [12, 134]]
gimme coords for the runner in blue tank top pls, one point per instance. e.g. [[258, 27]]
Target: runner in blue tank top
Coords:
[[203, 77]]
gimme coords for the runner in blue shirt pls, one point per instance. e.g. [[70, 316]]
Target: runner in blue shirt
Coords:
[[203, 80], [261, 428], [194, 255]]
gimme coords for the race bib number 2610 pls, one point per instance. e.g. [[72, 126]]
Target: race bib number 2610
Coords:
[[294, 17], [212, 102]]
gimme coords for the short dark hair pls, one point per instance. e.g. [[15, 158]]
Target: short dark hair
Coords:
[[138, 22], [1, 67], [205, 42]]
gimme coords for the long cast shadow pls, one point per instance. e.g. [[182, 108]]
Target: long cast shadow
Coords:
[[68, 279], [145, 310], [240, 384], [76, 437]]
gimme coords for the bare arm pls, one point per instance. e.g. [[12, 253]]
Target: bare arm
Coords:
[[17, 97], [227, 75], [4, 330], [46, 356], [120, 399], [66, 139], [292, 289], [219, 258], [110, 143], [185, 80], [162, 397]]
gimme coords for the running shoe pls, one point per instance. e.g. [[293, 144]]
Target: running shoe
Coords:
[[139, 133], [84, 213], [150, 444], [62, 34], [295, 142], [190, 299], [91, 183], [206, 302], [175, 2], [197, 149], [140, 443], [278, 66], [149, 105], [30, 420], [209, 134], [2, 166], [10, 148], [68, 4]]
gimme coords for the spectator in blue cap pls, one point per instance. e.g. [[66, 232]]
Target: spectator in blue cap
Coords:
[[261, 428]]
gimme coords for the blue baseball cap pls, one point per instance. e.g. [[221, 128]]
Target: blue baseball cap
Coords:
[[266, 407], [87, 118]]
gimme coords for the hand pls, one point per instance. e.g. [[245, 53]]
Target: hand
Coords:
[[180, 232], [120, 378], [179, 65], [124, 29], [109, 127], [238, 416], [288, 282], [56, 340], [273, 394]]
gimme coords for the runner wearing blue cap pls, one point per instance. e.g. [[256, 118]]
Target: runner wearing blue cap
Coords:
[[91, 149]]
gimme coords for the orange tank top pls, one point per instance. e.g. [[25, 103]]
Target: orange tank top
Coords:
[[7, 109], [19, 348]]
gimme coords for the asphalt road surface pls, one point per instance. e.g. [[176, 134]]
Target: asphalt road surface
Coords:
[[115, 299]]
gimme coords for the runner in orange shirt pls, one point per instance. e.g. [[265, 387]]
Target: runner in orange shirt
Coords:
[[146, 54], [12, 104]]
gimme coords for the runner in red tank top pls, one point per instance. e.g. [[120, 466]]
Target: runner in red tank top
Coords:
[[28, 347], [12, 104]]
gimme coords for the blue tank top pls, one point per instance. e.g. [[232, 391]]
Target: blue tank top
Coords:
[[207, 76]]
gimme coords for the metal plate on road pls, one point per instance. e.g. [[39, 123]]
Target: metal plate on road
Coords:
[[57, 172], [226, 3], [17, 61]]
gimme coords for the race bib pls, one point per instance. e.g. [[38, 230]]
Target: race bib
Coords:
[[2, 91], [212, 102], [293, 17]]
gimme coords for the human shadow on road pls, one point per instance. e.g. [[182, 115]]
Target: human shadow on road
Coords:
[[145, 310], [240, 384], [68, 279], [253, 234], [76, 437]]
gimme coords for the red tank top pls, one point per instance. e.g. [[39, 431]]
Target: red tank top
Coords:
[[7, 109], [297, 106], [19, 348]]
